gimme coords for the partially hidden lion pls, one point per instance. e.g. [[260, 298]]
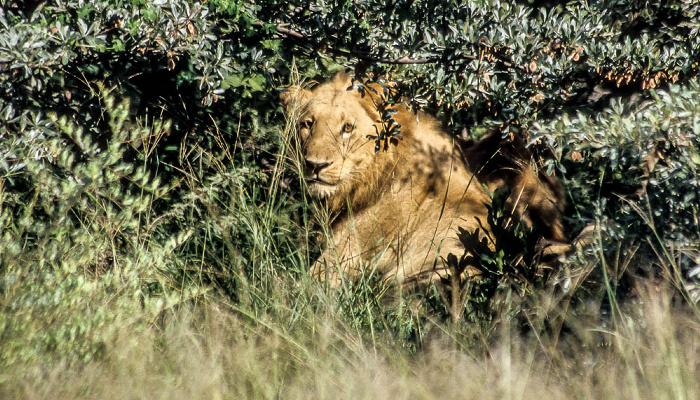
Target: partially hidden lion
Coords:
[[402, 211]]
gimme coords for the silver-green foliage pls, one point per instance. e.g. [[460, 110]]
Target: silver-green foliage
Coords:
[[505, 60], [645, 152], [81, 252], [635, 167]]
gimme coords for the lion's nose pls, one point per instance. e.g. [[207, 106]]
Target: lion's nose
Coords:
[[314, 167]]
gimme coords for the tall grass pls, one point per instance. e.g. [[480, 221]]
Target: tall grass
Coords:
[[214, 352]]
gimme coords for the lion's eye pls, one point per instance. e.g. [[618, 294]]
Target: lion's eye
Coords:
[[348, 127], [306, 125]]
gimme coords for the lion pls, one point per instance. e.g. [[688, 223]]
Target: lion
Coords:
[[399, 210]]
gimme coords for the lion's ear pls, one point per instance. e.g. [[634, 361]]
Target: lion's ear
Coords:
[[382, 92], [293, 97], [342, 78]]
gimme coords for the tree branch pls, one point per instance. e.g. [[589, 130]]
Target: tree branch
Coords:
[[288, 33]]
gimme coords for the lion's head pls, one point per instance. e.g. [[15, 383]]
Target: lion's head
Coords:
[[335, 126]]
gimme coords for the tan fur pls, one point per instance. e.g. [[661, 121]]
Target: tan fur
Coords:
[[398, 212]]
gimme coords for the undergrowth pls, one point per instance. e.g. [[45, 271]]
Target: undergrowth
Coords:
[[117, 283]]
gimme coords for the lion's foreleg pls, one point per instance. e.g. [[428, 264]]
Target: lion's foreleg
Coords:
[[327, 271]]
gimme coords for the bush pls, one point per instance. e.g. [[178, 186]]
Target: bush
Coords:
[[82, 252], [637, 163], [113, 211]]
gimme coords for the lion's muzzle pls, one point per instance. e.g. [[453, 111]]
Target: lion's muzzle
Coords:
[[313, 169], [318, 185]]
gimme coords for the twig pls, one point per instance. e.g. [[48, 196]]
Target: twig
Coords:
[[288, 33]]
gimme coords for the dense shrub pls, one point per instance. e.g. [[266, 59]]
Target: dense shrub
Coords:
[[122, 205], [507, 61], [81, 249], [643, 152], [633, 169]]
